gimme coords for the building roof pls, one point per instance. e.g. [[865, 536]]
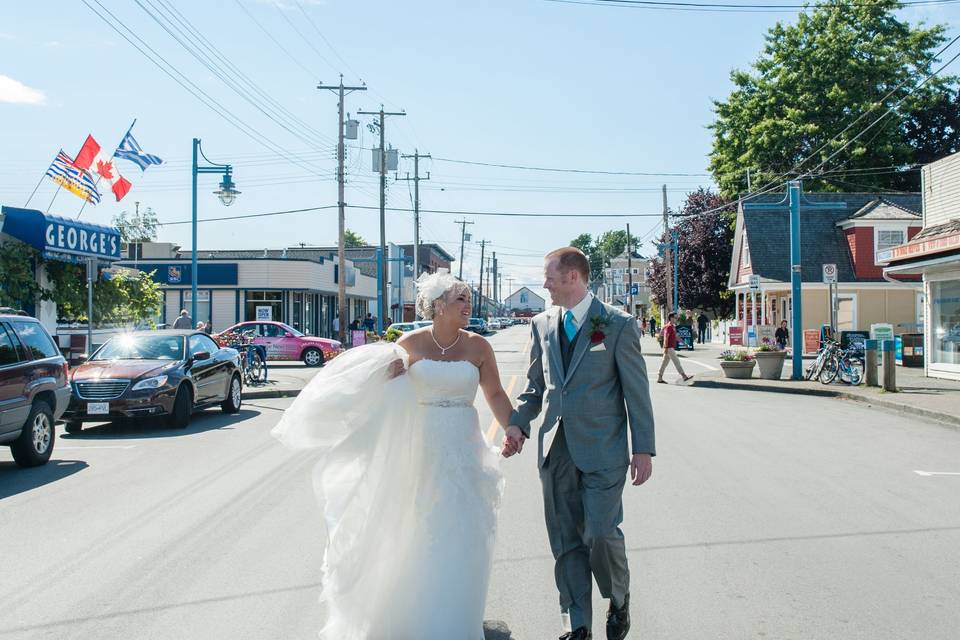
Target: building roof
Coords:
[[883, 209], [528, 290], [821, 241], [408, 248]]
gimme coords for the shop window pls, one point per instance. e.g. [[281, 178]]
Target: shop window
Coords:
[[263, 305], [945, 323]]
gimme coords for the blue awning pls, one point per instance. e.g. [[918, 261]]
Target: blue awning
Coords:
[[62, 239]]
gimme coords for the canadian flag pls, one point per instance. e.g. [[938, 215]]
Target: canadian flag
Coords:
[[91, 159]]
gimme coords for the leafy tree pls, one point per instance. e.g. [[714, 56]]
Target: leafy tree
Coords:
[[137, 227], [352, 239], [608, 244], [705, 242], [17, 264], [127, 296], [814, 78]]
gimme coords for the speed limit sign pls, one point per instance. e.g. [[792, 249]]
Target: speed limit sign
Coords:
[[829, 274]]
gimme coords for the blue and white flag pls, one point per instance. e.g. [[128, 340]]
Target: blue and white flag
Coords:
[[129, 149]]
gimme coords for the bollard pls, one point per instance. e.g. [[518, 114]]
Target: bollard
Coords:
[[870, 363], [889, 365]]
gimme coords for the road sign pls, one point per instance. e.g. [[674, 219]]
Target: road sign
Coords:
[[635, 289], [754, 282], [829, 274]]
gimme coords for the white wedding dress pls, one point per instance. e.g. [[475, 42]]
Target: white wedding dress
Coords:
[[410, 492]]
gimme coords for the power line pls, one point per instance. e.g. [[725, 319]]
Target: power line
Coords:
[[728, 7], [558, 170], [248, 216]]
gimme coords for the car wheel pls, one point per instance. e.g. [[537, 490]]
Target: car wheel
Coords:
[[73, 426], [313, 357], [35, 444], [231, 404], [179, 418]]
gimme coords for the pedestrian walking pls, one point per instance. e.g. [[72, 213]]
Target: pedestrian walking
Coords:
[[702, 323], [336, 325], [782, 336], [369, 323], [644, 326], [669, 334], [653, 327], [201, 326], [184, 321]]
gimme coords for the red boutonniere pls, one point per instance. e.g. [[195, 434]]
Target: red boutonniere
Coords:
[[597, 335]]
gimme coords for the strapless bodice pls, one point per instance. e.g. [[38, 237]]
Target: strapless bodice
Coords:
[[445, 383]]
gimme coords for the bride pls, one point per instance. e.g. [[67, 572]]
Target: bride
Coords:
[[407, 483]]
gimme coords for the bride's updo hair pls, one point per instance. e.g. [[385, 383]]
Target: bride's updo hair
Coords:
[[433, 289]]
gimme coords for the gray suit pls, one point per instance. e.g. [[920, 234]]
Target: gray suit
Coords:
[[591, 394]]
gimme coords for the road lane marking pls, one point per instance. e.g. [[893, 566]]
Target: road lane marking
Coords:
[[936, 473], [97, 446]]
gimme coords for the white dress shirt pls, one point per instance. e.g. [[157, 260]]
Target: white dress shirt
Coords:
[[579, 310]]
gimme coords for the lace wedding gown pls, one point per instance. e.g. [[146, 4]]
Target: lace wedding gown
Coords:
[[410, 491]]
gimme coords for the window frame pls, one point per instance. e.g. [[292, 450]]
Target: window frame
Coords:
[[877, 230]]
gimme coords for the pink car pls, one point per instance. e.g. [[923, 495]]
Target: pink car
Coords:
[[283, 342]]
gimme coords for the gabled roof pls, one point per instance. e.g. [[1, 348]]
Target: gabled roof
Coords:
[[884, 209], [821, 241]]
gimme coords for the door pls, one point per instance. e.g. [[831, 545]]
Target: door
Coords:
[[13, 384], [846, 312], [272, 337], [206, 375]]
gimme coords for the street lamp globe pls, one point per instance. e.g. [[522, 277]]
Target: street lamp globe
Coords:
[[227, 191]]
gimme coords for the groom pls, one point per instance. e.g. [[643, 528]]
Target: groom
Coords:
[[588, 377]]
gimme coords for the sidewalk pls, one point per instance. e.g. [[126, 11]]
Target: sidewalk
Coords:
[[917, 395]]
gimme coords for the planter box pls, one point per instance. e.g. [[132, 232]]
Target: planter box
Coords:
[[738, 370], [771, 363]]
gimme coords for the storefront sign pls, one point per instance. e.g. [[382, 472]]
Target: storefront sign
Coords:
[[735, 336], [924, 247], [684, 337], [211, 273], [854, 340], [811, 340], [264, 312], [881, 331], [766, 334], [62, 239]]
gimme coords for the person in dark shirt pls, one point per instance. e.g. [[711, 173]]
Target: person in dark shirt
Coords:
[[702, 322], [782, 335]]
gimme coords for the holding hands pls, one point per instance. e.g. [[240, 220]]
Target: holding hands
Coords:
[[513, 440]]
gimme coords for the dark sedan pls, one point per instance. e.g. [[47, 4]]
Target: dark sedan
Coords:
[[154, 373]]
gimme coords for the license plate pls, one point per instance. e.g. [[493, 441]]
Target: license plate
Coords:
[[98, 408]]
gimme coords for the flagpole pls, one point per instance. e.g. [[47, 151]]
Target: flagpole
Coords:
[[35, 189], [99, 177], [55, 193]]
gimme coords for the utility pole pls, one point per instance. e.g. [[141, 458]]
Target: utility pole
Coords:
[[463, 236], [667, 262], [384, 275], [630, 270], [416, 207], [500, 290], [510, 286], [483, 246], [341, 218], [494, 280]]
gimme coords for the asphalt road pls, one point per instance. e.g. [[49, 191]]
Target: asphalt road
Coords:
[[768, 516]]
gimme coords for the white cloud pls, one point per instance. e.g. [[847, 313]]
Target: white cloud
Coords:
[[15, 92]]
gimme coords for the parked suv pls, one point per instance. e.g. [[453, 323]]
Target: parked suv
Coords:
[[34, 391]]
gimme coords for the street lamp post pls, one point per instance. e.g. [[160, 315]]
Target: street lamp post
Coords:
[[227, 194]]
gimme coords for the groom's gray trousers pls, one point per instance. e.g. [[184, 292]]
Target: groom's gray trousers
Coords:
[[583, 515]]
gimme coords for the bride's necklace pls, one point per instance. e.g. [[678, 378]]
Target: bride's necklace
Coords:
[[443, 350]]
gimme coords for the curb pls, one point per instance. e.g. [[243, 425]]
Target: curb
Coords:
[[270, 393], [949, 419]]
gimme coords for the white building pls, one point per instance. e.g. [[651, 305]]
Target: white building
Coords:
[[297, 286], [935, 253], [524, 302], [623, 271]]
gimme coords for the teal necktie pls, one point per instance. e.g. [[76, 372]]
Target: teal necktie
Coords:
[[569, 326]]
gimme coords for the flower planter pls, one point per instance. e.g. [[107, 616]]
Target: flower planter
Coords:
[[771, 363], [738, 370]]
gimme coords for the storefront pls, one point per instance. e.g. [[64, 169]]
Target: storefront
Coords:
[[297, 291], [60, 239]]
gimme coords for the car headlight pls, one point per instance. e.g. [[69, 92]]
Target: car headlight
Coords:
[[150, 383]]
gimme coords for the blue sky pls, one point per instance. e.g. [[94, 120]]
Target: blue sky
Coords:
[[524, 82]]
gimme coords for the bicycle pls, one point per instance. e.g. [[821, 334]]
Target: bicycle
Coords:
[[827, 347], [842, 363], [253, 366]]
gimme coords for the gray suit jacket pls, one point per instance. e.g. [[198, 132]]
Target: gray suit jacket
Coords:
[[604, 392]]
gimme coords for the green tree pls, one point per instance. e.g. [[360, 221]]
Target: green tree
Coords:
[[125, 297], [816, 77], [608, 244], [138, 226], [18, 282], [352, 239]]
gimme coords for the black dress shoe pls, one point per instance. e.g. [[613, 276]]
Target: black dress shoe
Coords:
[[581, 633], [618, 620]]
